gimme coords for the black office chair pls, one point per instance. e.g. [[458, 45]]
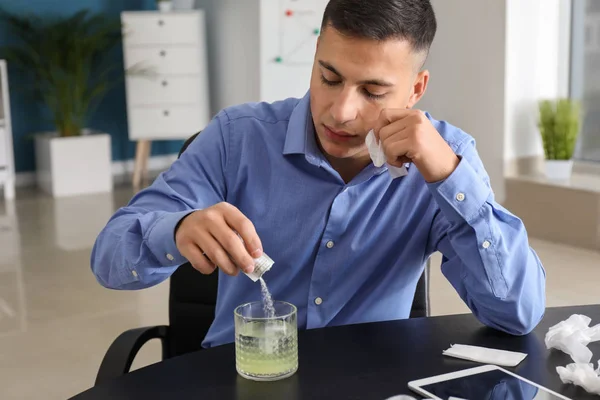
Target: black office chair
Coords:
[[192, 301]]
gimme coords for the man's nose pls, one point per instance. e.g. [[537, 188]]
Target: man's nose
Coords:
[[345, 107]]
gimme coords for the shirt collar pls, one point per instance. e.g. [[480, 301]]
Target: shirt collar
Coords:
[[300, 135]]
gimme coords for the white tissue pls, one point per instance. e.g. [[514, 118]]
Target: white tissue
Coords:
[[485, 355], [378, 156], [572, 337], [581, 375]]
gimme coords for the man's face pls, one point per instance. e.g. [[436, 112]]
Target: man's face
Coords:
[[352, 81]]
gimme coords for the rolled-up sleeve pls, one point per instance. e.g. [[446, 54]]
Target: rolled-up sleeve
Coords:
[[486, 252], [137, 249]]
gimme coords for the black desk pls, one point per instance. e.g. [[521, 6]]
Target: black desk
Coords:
[[370, 361]]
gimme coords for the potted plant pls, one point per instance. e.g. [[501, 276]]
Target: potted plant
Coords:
[[165, 5], [67, 61], [559, 123]]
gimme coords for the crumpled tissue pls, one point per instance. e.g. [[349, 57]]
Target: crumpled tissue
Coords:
[[572, 336], [378, 156], [582, 375]]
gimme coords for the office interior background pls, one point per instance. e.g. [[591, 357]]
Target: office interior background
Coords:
[[491, 64]]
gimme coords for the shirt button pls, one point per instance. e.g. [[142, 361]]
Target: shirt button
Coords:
[[134, 273], [170, 257], [318, 301], [460, 196], [486, 244], [330, 244]]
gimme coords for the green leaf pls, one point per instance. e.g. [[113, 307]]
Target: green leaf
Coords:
[[559, 124]]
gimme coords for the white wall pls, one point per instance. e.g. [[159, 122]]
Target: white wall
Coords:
[[244, 39], [536, 67], [467, 65], [233, 34], [490, 63]]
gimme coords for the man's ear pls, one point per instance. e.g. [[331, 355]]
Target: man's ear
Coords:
[[419, 88]]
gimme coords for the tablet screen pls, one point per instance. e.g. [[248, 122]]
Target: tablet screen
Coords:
[[490, 385]]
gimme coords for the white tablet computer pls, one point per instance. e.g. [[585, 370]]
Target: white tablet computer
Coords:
[[488, 382]]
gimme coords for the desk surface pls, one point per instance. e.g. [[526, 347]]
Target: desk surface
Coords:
[[369, 361]]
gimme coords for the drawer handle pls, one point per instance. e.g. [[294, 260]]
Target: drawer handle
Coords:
[[166, 113], [161, 22], [165, 83], [163, 53]]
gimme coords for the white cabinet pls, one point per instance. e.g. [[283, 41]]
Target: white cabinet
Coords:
[[154, 121], [7, 165], [165, 90], [166, 60], [152, 28], [170, 99]]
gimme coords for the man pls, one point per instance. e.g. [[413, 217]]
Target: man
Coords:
[[294, 179]]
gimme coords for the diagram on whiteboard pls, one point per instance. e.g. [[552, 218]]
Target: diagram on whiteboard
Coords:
[[299, 27]]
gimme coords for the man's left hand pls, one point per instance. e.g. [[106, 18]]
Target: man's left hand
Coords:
[[409, 136]]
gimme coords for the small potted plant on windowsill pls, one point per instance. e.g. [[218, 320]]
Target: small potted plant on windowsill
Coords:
[[164, 5], [559, 123]]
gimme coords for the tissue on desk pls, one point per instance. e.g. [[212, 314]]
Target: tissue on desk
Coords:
[[582, 375], [572, 337], [485, 355], [378, 156]]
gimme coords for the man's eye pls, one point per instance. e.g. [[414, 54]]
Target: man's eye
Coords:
[[328, 82], [373, 96], [368, 94]]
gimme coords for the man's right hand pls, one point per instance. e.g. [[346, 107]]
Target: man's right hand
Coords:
[[207, 239]]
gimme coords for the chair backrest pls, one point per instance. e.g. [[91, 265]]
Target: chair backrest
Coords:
[[193, 298]]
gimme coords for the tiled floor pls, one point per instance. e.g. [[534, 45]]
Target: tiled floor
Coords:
[[56, 322]]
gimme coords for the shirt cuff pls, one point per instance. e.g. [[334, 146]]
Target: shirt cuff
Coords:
[[161, 239], [462, 194]]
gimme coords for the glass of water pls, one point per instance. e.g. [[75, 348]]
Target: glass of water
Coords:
[[266, 347]]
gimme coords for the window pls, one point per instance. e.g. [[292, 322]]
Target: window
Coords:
[[585, 74]]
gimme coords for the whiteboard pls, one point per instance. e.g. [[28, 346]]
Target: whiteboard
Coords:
[[289, 32]]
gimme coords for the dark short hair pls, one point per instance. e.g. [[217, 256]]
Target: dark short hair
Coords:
[[411, 20]]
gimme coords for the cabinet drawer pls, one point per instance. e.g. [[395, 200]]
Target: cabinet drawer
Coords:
[[157, 28], [166, 123], [167, 90], [164, 60]]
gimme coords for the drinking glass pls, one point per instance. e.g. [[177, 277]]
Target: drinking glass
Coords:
[[266, 348]]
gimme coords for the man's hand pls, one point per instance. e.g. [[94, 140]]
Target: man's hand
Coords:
[[208, 238], [408, 136]]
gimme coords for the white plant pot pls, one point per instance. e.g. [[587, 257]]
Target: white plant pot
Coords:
[[165, 6], [558, 169], [184, 4], [70, 166]]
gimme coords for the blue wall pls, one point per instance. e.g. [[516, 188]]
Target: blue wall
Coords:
[[111, 116]]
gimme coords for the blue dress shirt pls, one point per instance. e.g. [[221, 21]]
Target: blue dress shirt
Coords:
[[359, 248]]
